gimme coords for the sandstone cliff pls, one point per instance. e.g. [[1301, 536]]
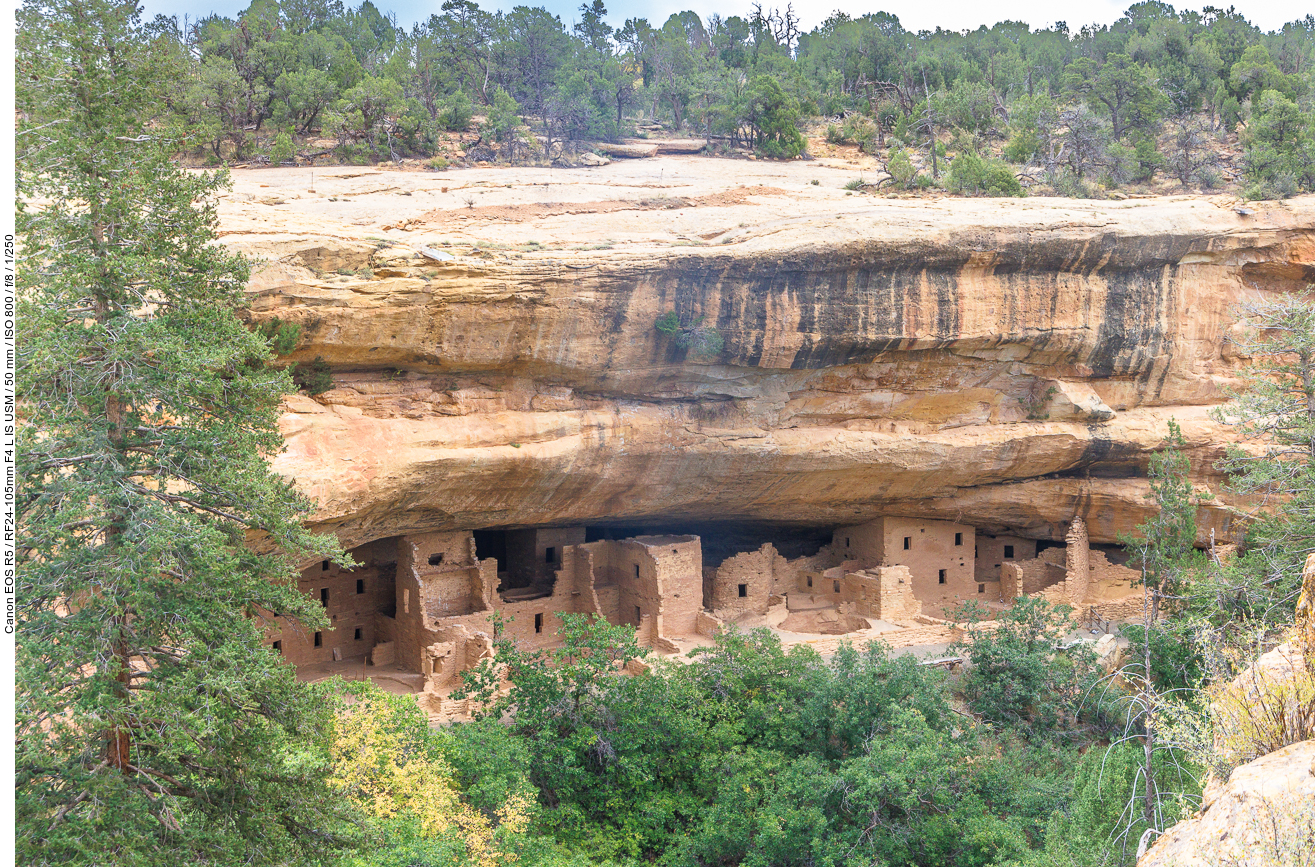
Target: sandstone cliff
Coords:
[[1007, 364]]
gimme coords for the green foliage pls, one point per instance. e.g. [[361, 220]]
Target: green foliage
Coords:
[[901, 168], [154, 726], [502, 121], [1018, 676], [281, 150], [702, 341], [774, 115], [1280, 147], [1275, 411], [313, 378], [969, 173], [283, 337], [668, 323], [456, 114]]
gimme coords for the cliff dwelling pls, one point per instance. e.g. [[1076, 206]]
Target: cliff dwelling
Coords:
[[958, 407], [418, 609]]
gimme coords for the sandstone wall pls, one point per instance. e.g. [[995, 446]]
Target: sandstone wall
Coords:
[[1003, 365]]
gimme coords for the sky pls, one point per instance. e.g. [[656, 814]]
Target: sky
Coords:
[[913, 14]]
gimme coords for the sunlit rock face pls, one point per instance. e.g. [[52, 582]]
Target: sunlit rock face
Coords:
[[1006, 364]]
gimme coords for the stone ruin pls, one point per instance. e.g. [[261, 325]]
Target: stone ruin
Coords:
[[419, 609]]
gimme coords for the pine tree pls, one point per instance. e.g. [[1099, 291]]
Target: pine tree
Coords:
[[152, 725]]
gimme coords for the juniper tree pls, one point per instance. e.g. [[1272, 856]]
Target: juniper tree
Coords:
[[152, 725], [1275, 411]]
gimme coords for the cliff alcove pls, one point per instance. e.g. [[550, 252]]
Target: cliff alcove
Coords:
[[1006, 366]]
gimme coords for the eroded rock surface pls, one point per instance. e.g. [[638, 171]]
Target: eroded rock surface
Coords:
[[1004, 363]]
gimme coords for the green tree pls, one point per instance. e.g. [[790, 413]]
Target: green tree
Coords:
[[154, 726], [1280, 147], [1274, 410], [774, 116], [1164, 548], [1018, 677], [1118, 87]]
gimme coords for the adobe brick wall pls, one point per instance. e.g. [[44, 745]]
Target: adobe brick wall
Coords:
[[991, 554], [931, 549], [351, 613], [1078, 559], [763, 573], [883, 593]]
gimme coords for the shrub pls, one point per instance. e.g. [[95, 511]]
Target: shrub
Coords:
[[456, 115], [901, 167], [313, 378], [856, 185], [969, 173], [438, 163], [281, 150], [1017, 675], [281, 336]]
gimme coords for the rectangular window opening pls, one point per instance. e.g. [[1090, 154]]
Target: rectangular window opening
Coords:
[[846, 541], [550, 556], [639, 615], [319, 639], [538, 623], [278, 646], [743, 590], [324, 596], [435, 559], [360, 586], [324, 567], [636, 570], [940, 577], [958, 538], [908, 542], [835, 586], [981, 588], [810, 580], [1009, 552], [357, 634]]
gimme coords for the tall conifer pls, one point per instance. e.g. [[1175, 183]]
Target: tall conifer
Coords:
[[153, 726]]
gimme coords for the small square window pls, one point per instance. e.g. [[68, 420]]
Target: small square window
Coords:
[[958, 538], [908, 542], [278, 646], [319, 639], [356, 634], [324, 596], [435, 559], [550, 555], [743, 590], [1009, 552], [940, 577], [360, 586], [981, 588], [538, 623]]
